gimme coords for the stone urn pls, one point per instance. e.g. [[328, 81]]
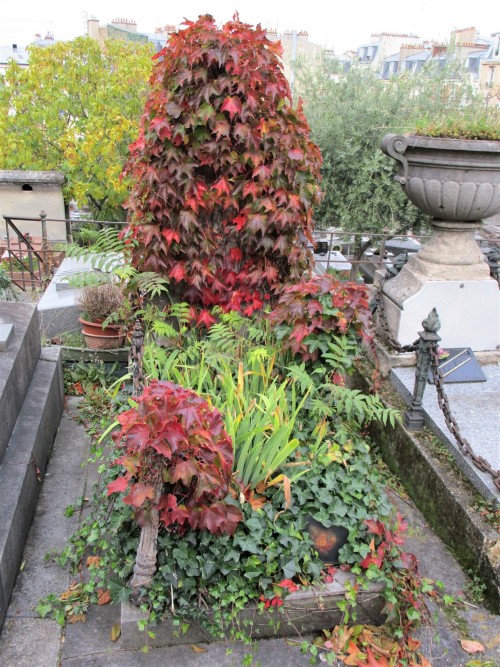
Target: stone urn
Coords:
[[457, 183]]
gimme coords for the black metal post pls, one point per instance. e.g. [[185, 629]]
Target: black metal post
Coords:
[[428, 340]]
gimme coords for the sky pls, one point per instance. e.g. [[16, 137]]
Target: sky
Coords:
[[331, 23]]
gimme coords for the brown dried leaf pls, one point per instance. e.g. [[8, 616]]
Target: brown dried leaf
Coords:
[[70, 592], [77, 618], [256, 502], [116, 631], [471, 646], [287, 491], [93, 561], [197, 649], [103, 597]]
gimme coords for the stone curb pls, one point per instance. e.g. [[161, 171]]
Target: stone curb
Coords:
[[444, 497], [304, 612]]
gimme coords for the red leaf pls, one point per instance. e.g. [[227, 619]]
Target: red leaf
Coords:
[[373, 661], [174, 434], [206, 319], [232, 105], [290, 586], [235, 254], [300, 331], [137, 435], [240, 221], [185, 471], [296, 154], [171, 235], [374, 526], [177, 272], [119, 485], [222, 186], [139, 493], [250, 188]]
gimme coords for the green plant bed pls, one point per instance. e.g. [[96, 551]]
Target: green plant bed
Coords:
[[220, 582], [237, 442]]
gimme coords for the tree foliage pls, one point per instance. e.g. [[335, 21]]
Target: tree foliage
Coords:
[[349, 114], [75, 109], [225, 174]]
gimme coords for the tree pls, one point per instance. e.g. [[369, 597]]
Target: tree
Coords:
[[349, 114], [75, 109], [225, 176]]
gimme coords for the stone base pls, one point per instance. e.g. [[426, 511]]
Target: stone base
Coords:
[[469, 310], [306, 611]]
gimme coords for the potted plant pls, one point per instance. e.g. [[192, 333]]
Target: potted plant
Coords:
[[98, 304], [450, 170]]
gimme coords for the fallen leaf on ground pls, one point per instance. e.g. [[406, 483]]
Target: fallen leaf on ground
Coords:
[[116, 631], [77, 618], [103, 597], [470, 646], [93, 561], [197, 649]]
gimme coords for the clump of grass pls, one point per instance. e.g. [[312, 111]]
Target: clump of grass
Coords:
[[481, 123]]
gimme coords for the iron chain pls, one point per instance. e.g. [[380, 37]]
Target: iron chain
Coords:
[[463, 444]]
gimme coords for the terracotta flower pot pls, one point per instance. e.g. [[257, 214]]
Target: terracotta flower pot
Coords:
[[98, 338]]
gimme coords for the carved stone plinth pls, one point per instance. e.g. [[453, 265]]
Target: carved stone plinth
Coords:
[[457, 182]]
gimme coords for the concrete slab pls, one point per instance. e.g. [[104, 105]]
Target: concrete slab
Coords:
[[93, 636], [6, 333], [440, 643], [30, 642], [23, 465], [476, 408], [267, 653], [58, 312], [50, 528]]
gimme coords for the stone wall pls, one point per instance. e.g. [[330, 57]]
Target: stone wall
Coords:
[[23, 194]]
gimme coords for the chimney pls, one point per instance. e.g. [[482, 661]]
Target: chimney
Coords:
[[93, 28]]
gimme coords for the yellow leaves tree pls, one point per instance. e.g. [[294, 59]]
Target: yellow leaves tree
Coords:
[[75, 109]]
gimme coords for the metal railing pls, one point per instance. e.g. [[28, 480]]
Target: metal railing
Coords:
[[30, 263], [355, 252], [365, 253]]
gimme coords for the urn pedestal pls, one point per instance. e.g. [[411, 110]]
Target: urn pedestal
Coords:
[[457, 183]]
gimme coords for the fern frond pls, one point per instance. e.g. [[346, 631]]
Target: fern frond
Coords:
[[147, 282], [300, 375]]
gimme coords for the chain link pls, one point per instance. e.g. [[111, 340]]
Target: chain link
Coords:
[[464, 446]]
